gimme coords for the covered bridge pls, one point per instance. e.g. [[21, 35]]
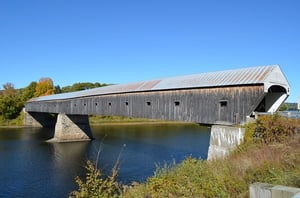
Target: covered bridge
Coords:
[[223, 97]]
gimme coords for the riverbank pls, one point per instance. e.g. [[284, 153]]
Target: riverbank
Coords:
[[17, 122], [276, 164], [274, 160], [120, 120], [95, 120], [269, 154]]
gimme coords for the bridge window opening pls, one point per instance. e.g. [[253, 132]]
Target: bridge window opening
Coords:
[[126, 103], [84, 104], [148, 103], [74, 105], [109, 104], [223, 103], [177, 103], [96, 104]]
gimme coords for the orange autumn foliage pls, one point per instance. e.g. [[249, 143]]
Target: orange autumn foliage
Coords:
[[44, 87]]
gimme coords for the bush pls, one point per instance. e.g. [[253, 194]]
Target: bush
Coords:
[[95, 185], [19, 121], [190, 178], [270, 129]]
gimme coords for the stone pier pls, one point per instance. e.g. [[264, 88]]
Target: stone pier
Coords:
[[72, 128], [68, 128]]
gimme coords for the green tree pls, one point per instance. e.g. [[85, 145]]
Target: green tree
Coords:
[[283, 107], [28, 92], [57, 89], [10, 102], [82, 86], [66, 89]]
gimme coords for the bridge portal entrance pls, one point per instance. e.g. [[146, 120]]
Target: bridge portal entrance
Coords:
[[272, 99]]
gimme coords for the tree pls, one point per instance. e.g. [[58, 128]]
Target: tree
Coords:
[[44, 87], [66, 89], [57, 89], [10, 102], [9, 89], [283, 107], [28, 92], [82, 86]]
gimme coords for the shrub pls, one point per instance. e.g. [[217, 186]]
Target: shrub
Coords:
[[190, 178], [95, 185], [270, 129]]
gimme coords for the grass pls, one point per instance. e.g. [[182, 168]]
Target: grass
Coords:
[[101, 120], [93, 120]]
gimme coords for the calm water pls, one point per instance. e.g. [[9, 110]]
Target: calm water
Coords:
[[30, 167]]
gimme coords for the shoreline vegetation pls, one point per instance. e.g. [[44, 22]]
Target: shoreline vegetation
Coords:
[[120, 120], [95, 120], [270, 153], [17, 122]]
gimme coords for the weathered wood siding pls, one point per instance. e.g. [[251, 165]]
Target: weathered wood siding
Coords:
[[223, 105]]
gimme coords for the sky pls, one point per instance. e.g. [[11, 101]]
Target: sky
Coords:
[[123, 41]]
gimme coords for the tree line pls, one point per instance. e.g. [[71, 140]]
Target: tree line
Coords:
[[12, 100]]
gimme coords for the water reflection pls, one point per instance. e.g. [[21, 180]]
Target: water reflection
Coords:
[[146, 146], [31, 167], [68, 158]]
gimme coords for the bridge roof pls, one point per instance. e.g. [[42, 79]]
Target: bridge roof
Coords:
[[268, 75]]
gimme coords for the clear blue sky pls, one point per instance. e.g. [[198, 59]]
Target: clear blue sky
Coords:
[[121, 41]]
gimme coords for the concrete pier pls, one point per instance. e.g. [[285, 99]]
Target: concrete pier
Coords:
[[224, 139], [266, 190], [72, 128]]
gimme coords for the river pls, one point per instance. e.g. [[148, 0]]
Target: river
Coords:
[[31, 167]]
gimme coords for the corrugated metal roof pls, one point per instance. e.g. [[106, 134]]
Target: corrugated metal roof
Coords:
[[252, 75]]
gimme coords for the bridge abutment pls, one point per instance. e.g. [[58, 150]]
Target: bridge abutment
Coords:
[[72, 128], [38, 119], [224, 139]]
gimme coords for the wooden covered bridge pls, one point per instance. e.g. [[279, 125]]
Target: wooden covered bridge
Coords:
[[225, 97]]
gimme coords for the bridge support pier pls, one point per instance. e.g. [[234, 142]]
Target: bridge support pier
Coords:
[[224, 139], [72, 128]]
